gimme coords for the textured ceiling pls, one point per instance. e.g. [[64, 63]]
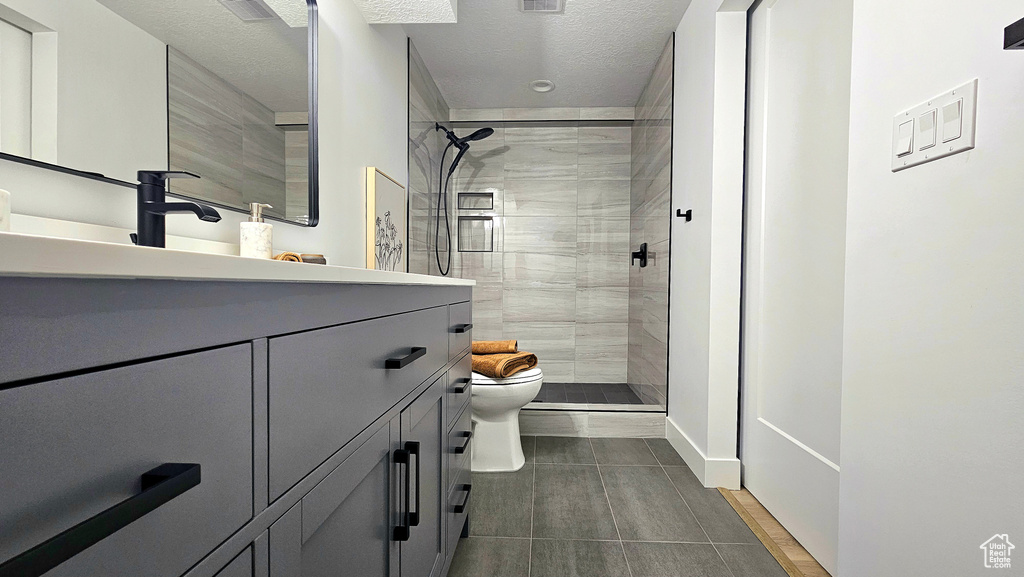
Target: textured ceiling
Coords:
[[295, 13], [264, 59], [406, 11], [598, 53]]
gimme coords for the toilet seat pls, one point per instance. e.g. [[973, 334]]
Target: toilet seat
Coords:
[[522, 377]]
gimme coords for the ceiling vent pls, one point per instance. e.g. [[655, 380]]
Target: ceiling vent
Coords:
[[249, 10], [542, 6]]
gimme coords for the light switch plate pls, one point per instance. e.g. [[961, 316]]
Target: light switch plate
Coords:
[[968, 93], [926, 130]]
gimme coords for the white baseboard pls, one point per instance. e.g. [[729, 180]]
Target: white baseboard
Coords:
[[712, 473]]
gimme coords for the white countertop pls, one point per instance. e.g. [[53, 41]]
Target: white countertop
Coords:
[[43, 256]]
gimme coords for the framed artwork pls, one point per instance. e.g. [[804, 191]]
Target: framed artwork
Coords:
[[387, 216]]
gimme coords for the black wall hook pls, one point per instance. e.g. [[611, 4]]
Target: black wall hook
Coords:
[[688, 215]]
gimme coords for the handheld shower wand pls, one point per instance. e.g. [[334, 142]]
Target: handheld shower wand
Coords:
[[462, 143], [442, 192]]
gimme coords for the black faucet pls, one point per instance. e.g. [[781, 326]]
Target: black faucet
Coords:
[[153, 206]]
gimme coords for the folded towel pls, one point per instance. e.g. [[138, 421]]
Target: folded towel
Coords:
[[495, 347], [288, 257], [502, 366]]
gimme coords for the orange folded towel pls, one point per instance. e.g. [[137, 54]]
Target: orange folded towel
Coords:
[[502, 366], [495, 347], [288, 257]]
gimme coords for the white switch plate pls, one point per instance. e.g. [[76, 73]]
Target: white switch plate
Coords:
[[968, 112]]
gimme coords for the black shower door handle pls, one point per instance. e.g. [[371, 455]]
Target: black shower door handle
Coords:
[[159, 486], [402, 362], [640, 255]]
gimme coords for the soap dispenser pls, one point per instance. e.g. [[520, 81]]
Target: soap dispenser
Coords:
[[257, 237]]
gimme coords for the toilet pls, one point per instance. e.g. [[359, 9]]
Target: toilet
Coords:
[[496, 404]]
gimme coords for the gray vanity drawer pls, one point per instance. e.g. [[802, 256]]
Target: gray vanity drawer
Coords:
[[458, 507], [460, 386], [459, 445], [240, 566], [328, 385], [75, 447], [461, 335]]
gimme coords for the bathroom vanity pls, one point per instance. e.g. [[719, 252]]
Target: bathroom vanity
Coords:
[[227, 416]]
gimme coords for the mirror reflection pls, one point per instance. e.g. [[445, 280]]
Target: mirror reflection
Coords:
[[219, 88]]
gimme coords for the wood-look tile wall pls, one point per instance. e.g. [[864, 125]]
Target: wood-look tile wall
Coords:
[[226, 137], [559, 279], [650, 219], [426, 108], [296, 170]]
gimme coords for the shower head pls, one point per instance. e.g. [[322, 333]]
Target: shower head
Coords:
[[478, 135], [462, 143]]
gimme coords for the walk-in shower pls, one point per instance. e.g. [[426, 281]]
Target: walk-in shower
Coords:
[[544, 209]]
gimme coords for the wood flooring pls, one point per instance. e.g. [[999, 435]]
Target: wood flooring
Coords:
[[786, 550]]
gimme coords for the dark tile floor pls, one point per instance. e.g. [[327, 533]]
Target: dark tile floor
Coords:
[[604, 508], [587, 393]]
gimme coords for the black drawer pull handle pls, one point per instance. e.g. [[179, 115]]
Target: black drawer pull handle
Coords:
[[464, 382], [159, 486], [401, 531], [401, 363], [462, 449], [459, 329], [461, 508], [414, 449]]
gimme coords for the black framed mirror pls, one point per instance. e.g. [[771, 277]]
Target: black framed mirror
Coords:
[[227, 89]]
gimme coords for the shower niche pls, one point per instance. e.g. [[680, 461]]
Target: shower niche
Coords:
[[476, 230], [476, 201], [476, 234]]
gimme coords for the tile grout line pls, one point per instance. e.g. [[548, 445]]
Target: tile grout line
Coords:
[[610, 540], [658, 466], [688, 508], [604, 487], [533, 510]]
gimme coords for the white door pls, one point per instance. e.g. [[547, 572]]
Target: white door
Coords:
[[794, 247]]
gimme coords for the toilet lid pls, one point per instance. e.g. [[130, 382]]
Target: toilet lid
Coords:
[[523, 377]]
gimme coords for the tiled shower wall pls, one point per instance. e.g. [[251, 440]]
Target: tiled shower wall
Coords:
[[571, 199], [650, 219], [558, 277], [426, 107]]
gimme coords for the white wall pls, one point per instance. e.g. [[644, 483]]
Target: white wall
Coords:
[[362, 119], [707, 172], [933, 390], [111, 94]]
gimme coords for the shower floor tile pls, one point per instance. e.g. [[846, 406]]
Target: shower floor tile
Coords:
[[602, 394]]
